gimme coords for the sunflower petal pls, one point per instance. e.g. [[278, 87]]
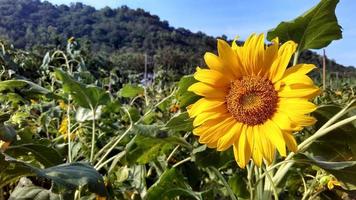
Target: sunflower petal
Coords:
[[299, 69], [228, 56], [290, 142], [214, 62], [203, 105], [298, 91], [268, 150], [280, 64], [299, 105], [229, 137], [212, 114], [211, 77], [270, 55], [257, 147], [212, 136], [274, 134], [208, 91], [244, 150], [284, 122]]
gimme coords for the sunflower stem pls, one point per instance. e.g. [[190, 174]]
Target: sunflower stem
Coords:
[[272, 185], [326, 128], [296, 56], [249, 179], [117, 141], [69, 134], [93, 137]]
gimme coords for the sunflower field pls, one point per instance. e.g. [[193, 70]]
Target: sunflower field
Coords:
[[251, 123]]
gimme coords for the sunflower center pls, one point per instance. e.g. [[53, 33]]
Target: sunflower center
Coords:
[[252, 100]]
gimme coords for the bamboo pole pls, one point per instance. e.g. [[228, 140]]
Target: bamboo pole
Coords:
[[324, 70]]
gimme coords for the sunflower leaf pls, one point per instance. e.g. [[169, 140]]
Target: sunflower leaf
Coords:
[[343, 171], [171, 184], [184, 96], [314, 29]]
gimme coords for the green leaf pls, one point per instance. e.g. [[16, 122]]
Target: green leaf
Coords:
[[343, 171], [130, 91], [206, 157], [185, 97], [85, 96], [339, 144], [69, 175], [180, 122], [34, 193], [25, 88], [171, 184], [45, 155], [150, 142], [238, 185], [7, 133], [314, 29]]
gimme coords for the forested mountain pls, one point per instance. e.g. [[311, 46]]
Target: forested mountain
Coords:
[[121, 34]]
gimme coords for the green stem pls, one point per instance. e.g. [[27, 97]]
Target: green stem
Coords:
[[117, 141], [306, 143], [326, 128], [93, 136], [296, 56], [118, 156], [275, 194], [258, 186], [111, 143], [182, 161], [229, 190], [249, 179], [69, 133]]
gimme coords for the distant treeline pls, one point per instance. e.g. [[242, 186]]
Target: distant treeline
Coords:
[[124, 35]]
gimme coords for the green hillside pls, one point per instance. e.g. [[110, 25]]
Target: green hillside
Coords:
[[120, 34]]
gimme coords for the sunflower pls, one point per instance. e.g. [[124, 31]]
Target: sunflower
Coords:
[[251, 100]]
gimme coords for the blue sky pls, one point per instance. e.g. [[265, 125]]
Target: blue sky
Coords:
[[242, 17]]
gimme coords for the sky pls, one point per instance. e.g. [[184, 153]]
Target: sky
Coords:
[[242, 17]]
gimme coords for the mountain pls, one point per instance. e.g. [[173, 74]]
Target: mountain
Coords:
[[114, 32]]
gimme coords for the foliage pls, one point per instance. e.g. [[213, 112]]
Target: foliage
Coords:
[[127, 134]]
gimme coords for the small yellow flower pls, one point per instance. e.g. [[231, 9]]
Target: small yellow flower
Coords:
[[332, 182], [63, 129], [4, 145], [63, 105], [251, 100]]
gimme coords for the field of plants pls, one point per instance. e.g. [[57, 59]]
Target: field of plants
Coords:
[[71, 128]]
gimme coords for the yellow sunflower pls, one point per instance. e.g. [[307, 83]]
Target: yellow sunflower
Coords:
[[251, 101]]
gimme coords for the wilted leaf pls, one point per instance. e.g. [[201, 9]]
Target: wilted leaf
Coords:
[[34, 193]]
